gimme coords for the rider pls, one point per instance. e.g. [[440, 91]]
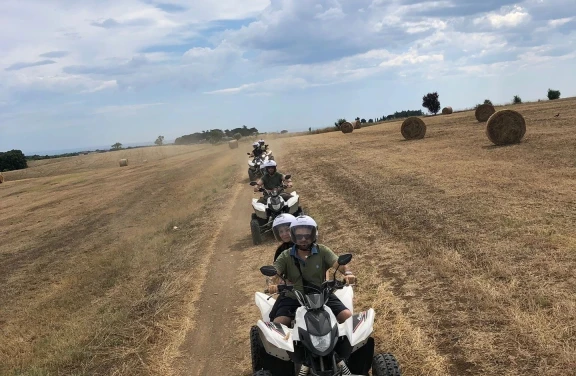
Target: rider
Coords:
[[257, 150], [306, 263], [271, 180], [281, 230]]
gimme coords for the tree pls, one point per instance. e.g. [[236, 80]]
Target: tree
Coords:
[[159, 141], [12, 160], [237, 136], [117, 146], [431, 103], [553, 94], [363, 121], [517, 99], [488, 101], [216, 135], [370, 121]]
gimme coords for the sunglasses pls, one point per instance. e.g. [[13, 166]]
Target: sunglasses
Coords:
[[303, 236]]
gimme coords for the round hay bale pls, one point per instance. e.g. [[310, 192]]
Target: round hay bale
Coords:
[[123, 162], [506, 127], [447, 110], [483, 112], [346, 127], [413, 128], [357, 124], [233, 144], [1, 178]]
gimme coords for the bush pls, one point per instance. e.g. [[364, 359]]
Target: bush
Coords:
[[237, 136], [553, 94], [363, 121], [370, 121], [431, 103], [488, 101], [339, 123], [516, 99], [12, 160]]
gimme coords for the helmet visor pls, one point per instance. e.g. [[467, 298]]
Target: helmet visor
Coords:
[[303, 235], [282, 232]]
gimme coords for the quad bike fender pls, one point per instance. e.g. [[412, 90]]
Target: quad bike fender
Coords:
[[293, 201], [346, 296], [264, 303], [250, 163], [259, 209], [277, 339], [358, 327]]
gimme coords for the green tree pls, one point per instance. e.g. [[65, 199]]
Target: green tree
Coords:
[[553, 94], [339, 122], [431, 103], [13, 160], [117, 146], [488, 101], [159, 141], [237, 136], [517, 99]]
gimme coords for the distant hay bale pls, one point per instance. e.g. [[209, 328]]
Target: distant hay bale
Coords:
[[413, 128], [447, 110], [357, 124], [506, 127], [483, 112], [346, 127], [123, 162], [1, 178], [233, 144]]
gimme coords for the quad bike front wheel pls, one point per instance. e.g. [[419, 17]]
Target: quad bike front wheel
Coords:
[[385, 365], [262, 373], [256, 349], [255, 230]]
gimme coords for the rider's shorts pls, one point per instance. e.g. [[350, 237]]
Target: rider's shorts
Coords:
[[286, 306]]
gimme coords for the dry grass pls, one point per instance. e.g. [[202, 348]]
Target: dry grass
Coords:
[[465, 250], [95, 279]]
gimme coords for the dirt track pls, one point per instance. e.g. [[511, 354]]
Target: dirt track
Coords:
[[209, 348]]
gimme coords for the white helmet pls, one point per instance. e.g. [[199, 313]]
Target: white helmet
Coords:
[[255, 144], [261, 142], [306, 222], [282, 220], [270, 163]]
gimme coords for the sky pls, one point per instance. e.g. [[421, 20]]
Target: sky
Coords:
[[77, 74]]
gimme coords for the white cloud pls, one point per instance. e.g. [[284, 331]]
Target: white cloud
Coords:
[[514, 17], [127, 108], [560, 21]]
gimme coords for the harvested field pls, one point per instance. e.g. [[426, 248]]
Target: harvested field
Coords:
[[100, 265], [465, 250]]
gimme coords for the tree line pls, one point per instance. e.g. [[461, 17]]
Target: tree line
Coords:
[[215, 135]]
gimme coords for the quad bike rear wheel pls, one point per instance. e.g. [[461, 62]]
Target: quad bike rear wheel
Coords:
[[255, 230], [251, 175], [385, 365]]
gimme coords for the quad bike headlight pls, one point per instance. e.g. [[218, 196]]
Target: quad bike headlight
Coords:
[[321, 343]]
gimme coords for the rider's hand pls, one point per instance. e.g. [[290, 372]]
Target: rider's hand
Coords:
[[272, 289], [256, 189], [288, 184], [350, 279]]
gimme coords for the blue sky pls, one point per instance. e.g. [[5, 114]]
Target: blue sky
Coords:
[[91, 73]]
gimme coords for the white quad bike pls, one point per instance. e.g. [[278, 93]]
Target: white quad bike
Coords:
[[264, 214], [316, 344], [256, 166]]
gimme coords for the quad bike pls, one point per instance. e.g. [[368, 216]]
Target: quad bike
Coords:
[[315, 343], [256, 166], [264, 214]]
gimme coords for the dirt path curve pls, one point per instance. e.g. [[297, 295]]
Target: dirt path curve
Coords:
[[208, 348]]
